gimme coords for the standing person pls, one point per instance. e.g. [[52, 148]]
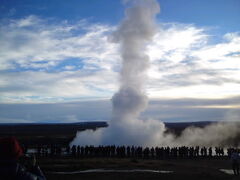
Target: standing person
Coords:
[[10, 166], [235, 162]]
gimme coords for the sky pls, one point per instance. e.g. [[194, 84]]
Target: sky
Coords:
[[56, 54]]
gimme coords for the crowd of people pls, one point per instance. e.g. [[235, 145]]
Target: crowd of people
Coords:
[[133, 151], [141, 152], [17, 162]]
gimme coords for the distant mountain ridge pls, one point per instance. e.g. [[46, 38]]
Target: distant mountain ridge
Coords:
[[63, 133]]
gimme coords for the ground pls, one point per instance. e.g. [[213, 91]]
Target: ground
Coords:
[[194, 169]]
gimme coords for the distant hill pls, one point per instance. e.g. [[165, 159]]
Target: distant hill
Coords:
[[178, 127], [63, 133], [47, 133], [48, 128]]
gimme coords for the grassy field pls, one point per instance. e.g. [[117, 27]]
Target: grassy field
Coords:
[[204, 169]]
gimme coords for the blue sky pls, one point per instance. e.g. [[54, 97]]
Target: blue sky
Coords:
[[97, 11], [217, 13], [59, 51]]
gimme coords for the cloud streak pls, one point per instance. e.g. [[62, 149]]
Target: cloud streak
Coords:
[[183, 62]]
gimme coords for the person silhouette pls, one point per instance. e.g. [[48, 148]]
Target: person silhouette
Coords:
[[14, 165], [235, 162]]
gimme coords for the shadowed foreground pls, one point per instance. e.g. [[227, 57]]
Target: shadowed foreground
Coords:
[[196, 169]]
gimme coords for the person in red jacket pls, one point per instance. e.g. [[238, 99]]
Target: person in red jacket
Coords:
[[10, 166]]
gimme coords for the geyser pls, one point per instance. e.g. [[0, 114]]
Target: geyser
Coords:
[[126, 128], [133, 35]]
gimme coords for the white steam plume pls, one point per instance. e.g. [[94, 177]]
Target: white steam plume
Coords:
[[133, 35], [217, 134]]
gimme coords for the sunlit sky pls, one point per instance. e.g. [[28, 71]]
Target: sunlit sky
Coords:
[[59, 51]]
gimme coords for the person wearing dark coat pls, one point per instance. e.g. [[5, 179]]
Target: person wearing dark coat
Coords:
[[235, 162], [10, 166]]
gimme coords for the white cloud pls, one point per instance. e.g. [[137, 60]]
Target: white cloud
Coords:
[[27, 22], [60, 85], [183, 62], [31, 40]]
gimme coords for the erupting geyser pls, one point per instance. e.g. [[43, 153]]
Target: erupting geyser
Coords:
[[133, 35], [126, 128]]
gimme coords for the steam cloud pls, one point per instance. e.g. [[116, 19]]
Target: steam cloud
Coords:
[[125, 128]]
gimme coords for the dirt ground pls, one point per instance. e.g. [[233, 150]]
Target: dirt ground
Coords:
[[186, 169]]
